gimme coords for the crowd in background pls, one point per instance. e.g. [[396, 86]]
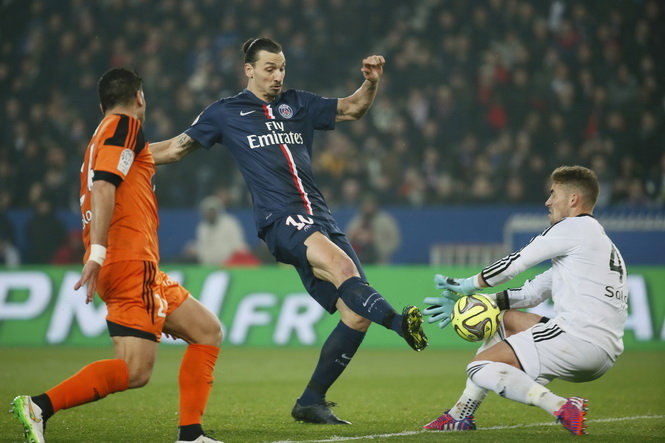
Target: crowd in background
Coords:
[[478, 102]]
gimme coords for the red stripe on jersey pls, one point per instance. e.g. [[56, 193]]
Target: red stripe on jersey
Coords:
[[296, 179], [267, 110]]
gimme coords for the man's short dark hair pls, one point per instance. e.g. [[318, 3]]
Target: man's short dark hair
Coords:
[[252, 47], [581, 178], [118, 86]]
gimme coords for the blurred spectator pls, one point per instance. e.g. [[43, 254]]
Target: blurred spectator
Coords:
[[373, 233], [45, 232], [656, 182], [9, 255], [7, 229], [72, 251], [636, 197], [515, 192], [459, 75], [600, 166], [220, 238]]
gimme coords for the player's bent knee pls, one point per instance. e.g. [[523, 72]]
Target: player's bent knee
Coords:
[[347, 268], [139, 377], [210, 333], [355, 321], [138, 383], [217, 336], [475, 366], [342, 267]]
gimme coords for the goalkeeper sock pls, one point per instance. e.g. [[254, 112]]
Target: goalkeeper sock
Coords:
[[365, 301], [95, 381], [336, 354], [514, 384], [469, 402]]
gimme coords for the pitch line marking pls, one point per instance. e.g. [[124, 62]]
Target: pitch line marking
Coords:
[[490, 428]]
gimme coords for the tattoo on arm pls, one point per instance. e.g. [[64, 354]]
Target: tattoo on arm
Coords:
[[186, 143]]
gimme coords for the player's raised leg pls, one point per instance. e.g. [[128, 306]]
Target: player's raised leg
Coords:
[[336, 262]]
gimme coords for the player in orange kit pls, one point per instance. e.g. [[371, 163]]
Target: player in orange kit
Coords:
[[120, 221]]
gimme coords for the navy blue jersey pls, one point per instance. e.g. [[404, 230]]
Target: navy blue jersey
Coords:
[[272, 145]]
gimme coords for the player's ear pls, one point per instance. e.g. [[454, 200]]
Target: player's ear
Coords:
[[574, 199], [140, 98], [249, 70]]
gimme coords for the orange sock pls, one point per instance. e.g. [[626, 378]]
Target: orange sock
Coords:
[[95, 381], [195, 381]]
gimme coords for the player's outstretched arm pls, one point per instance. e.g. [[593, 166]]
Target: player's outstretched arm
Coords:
[[174, 149], [357, 104]]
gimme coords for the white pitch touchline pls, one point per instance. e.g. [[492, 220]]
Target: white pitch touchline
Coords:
[[490, 428]]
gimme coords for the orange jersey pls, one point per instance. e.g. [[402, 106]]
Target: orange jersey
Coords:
[[118, 146]]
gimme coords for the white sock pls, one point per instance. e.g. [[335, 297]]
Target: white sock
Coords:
[[545, 399], [474, 395], [514, 384], [469, 402]]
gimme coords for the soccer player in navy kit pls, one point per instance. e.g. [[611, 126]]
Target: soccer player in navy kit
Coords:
[[269, 132]]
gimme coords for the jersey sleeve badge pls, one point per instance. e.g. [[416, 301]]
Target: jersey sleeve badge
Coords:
[[126, 160]]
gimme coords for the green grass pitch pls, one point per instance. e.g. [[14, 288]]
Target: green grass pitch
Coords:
[[388, 394]]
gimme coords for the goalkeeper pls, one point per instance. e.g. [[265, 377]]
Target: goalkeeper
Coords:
[[586, 282]]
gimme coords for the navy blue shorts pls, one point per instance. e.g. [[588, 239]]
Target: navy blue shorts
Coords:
[[286, 237]]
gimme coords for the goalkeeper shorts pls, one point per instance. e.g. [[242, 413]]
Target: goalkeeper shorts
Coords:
[[546, 352]]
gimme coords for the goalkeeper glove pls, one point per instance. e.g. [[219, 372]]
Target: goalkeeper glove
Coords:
[[465, 286], [442, 307]]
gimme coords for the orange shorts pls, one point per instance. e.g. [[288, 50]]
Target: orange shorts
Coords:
[[138, 297]]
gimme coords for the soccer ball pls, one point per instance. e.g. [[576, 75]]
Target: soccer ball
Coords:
[[475, 317]]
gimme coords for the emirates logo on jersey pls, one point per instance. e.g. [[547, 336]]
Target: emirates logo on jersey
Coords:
[[285, 111]]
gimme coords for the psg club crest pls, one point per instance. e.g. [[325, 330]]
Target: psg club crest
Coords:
[[285, 111]]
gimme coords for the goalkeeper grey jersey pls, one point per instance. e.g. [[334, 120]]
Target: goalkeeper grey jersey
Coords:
[[587, 280]]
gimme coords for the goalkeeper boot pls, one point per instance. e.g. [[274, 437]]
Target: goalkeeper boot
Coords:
[[318, 413], [30, 416], [412, 328], [572, 415], [447, 423]]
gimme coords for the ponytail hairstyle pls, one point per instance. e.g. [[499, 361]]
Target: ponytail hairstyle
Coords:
[[253, 46]]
